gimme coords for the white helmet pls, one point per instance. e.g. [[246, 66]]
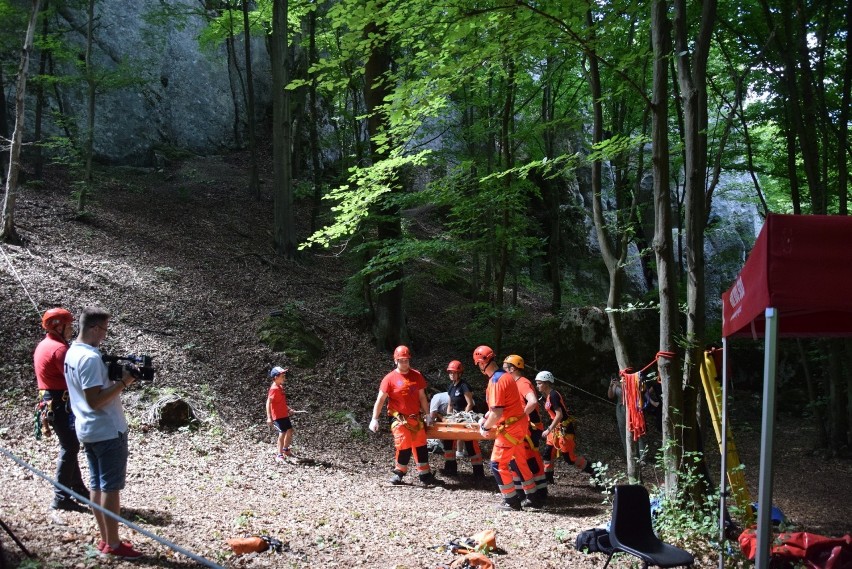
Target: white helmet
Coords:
[[544, 377]]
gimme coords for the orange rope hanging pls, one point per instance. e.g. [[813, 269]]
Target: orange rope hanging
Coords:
[[633, 396], [633, 405]]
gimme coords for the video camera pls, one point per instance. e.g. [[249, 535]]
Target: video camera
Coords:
[[138, 366]]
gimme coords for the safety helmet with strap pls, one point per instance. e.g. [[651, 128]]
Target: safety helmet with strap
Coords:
[[55, 317], [515, 360], [483, 354], [401, 353], [545, 377]]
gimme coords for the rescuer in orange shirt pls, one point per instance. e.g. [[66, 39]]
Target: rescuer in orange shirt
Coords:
[[506, 415], [514, 365], [404, 390]]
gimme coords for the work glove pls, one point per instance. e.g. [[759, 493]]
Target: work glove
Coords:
[[481, 421], [428, 419], [374, 425], [482, 432]]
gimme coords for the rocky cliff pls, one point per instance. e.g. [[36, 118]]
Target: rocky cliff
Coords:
[[181, 94]]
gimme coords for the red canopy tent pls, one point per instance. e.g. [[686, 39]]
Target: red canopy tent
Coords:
[[795, 283]]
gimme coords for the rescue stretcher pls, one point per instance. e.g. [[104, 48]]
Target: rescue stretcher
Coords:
[[457, 432]]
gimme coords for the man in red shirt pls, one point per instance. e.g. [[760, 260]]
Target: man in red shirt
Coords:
[[404, 390], [506, 415], [49, 365]]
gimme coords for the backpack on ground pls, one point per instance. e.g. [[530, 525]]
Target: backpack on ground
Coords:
[[595, 540]]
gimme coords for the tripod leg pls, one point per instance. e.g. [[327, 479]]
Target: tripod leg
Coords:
[[15, 539]]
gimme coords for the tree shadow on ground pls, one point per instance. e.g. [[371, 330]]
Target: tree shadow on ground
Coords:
[[147, 516]]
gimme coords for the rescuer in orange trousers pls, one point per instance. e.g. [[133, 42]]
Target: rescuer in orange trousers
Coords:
[[506, 415], [404, 389]]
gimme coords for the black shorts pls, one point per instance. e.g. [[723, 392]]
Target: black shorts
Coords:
[[283, 425]]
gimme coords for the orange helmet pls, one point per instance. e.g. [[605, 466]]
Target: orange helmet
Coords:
[[54, 317], [455, 365], [516, 361], [401, 353], [483, 354]]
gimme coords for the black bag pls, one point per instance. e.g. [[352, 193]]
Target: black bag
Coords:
[[595, 540]]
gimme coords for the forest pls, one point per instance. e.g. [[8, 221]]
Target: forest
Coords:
[[531, 161]]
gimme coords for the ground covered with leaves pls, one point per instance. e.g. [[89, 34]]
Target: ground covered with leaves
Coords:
[[182, 258]]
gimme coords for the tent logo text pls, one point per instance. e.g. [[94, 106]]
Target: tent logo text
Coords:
[[737, 292]]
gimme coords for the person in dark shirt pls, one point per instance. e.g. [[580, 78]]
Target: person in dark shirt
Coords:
[[460, 398]]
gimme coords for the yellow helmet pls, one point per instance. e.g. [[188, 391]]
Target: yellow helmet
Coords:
[[516, 361]]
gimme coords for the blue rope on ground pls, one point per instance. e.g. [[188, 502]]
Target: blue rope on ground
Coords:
[[128, 523]]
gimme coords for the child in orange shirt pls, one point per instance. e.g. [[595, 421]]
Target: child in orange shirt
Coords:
[[278, 412]]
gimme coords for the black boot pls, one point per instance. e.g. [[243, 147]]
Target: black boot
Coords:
[[533, 501], [451, 468], [69, 505], [397, 477], [429, 479], [510, 504], [478, 471], [549, 476]]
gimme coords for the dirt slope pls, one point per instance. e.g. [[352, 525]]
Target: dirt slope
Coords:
[[182, 258]]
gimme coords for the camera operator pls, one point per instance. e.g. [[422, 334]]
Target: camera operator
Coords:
[[101, 425]]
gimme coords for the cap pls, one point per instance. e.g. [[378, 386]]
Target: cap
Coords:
[[278, 370]]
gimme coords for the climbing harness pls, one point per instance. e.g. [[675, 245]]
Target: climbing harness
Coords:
[[399, 418]]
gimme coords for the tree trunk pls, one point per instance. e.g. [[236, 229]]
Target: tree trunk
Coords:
[[388, 319], [550, 195], [284, 230], [91, 88], [4, 132], [843, 151], [507, 160], [234, 77], [254, 179], [819, 423], [663, 243], [38, 159], [316, 163], [9, 233], [836, 403], [692, 78]]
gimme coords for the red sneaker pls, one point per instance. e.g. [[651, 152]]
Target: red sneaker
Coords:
[[123, 551], [102, 544]]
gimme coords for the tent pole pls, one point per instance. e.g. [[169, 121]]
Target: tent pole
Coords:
[[723, 479], [767, 434]]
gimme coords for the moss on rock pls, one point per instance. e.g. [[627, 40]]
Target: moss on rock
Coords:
[[285, 331]]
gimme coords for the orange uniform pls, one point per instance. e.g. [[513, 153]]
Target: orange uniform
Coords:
[[561, 440], [534, 460], [403, 391], [512, 431]]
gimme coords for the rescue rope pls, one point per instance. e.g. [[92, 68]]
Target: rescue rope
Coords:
[[632, 395], [21, 282], [128, 523]]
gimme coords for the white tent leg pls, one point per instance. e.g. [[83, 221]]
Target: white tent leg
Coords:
[[723, 479], [767, 436]]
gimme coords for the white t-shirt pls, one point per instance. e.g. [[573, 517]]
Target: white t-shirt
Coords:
[[439, 402], [85, 369]]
